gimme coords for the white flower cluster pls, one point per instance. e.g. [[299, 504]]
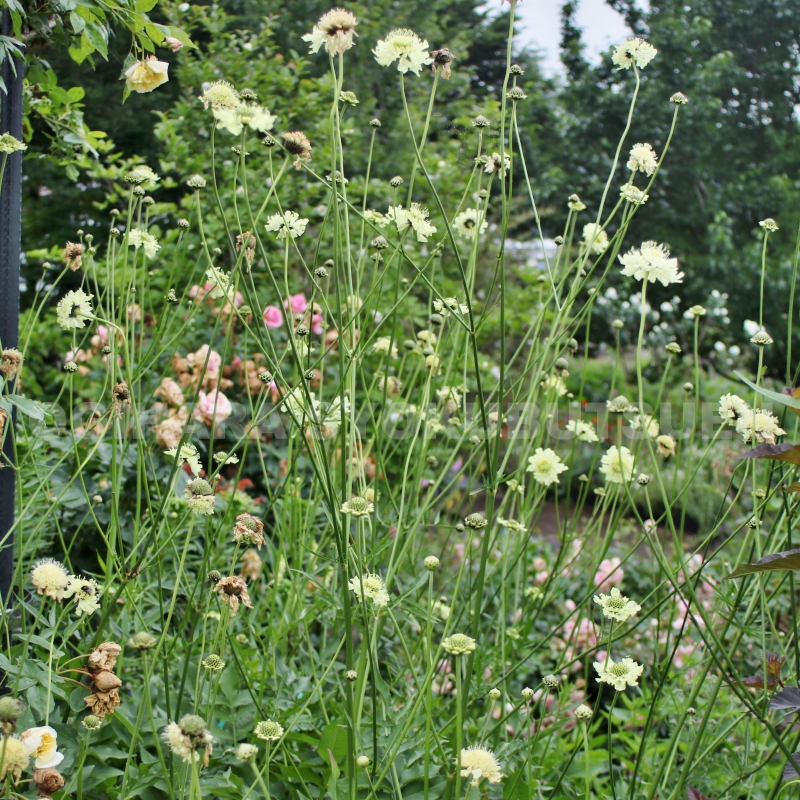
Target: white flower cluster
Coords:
[[754, 425]]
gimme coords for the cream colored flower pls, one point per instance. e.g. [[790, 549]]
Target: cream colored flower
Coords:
[[595, 237], [415, 217], [470, 223], [651, 263], [666, 445], [619, 674], [74, 309], [15, 758], [633, 195], [478, 763], [287, 224], [645, 422], [554, 383], [384, 345], [758, 425], [405, 47], [246, 115], [731, 407], [494, 163], [459, 644], [85, 592], [138, 238], [335, 30], [42, 746], [616, 606], [643, 158], [634, 51], [189, 454], [357, 507], [545, 466], [584, 432], [269, 730], [50, 578], [617, 465], [372, 587], [220, 95], [144, 76]]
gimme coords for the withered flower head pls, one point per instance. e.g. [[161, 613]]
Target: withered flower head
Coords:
[[104, 656], [73, 255], [443, 58], [47, 781], [249, 530], [102, 703], [10, 362], [247, 240], [232, 591], [297, 143], [251, 565]]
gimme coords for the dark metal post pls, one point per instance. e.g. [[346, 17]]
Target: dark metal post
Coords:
[[10, 244]]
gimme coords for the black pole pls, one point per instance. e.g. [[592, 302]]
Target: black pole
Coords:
[[10, 244]]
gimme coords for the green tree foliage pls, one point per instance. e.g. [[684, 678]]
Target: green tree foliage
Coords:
[[735, 156]]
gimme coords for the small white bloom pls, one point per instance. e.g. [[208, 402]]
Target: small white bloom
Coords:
[[74, 309], [633, 195], [138, 238], [287, 224], [758, 425], [545, 466], [619, 674], [335, 30], [595, 237], [616, 606], [583, 431], [731, 407], [617, 465], [643, 158], [470, 223], [415, 217], [477, 763], [634, 51], [189, 454], [651, 263], [85, 593], [405, 47], [246, 115], [42, 745]]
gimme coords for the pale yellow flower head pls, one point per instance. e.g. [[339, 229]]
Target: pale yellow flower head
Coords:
[[144, 76]]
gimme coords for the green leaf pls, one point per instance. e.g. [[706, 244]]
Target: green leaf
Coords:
[[30, 408], [76, 94], [181, 36], [788, 559], [776, 397], [97, 35], [154, 32], [145, 5], [333, 740], [78, 22]]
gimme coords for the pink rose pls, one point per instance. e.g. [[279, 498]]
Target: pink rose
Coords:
[[297, 303], [273, 318], [214, 360], [214, 407], [608, 573], [316, 324]]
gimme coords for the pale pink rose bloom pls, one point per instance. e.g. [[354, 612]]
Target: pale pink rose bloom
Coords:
[[297, 303], [608, 574], [214, 360], [194, 291], [316, 324], [102, 332], [214, 407], [273, 318]]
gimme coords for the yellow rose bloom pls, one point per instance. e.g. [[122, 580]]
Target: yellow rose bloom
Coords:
[[144, 76]]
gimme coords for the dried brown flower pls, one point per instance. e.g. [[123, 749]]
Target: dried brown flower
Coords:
[[232, 591], [297, 143], [104, 657], [249, 530], [102, 703], [248, 241], [443, 58], [47, 781], [251, 565], [73, 255], [10, 362]]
